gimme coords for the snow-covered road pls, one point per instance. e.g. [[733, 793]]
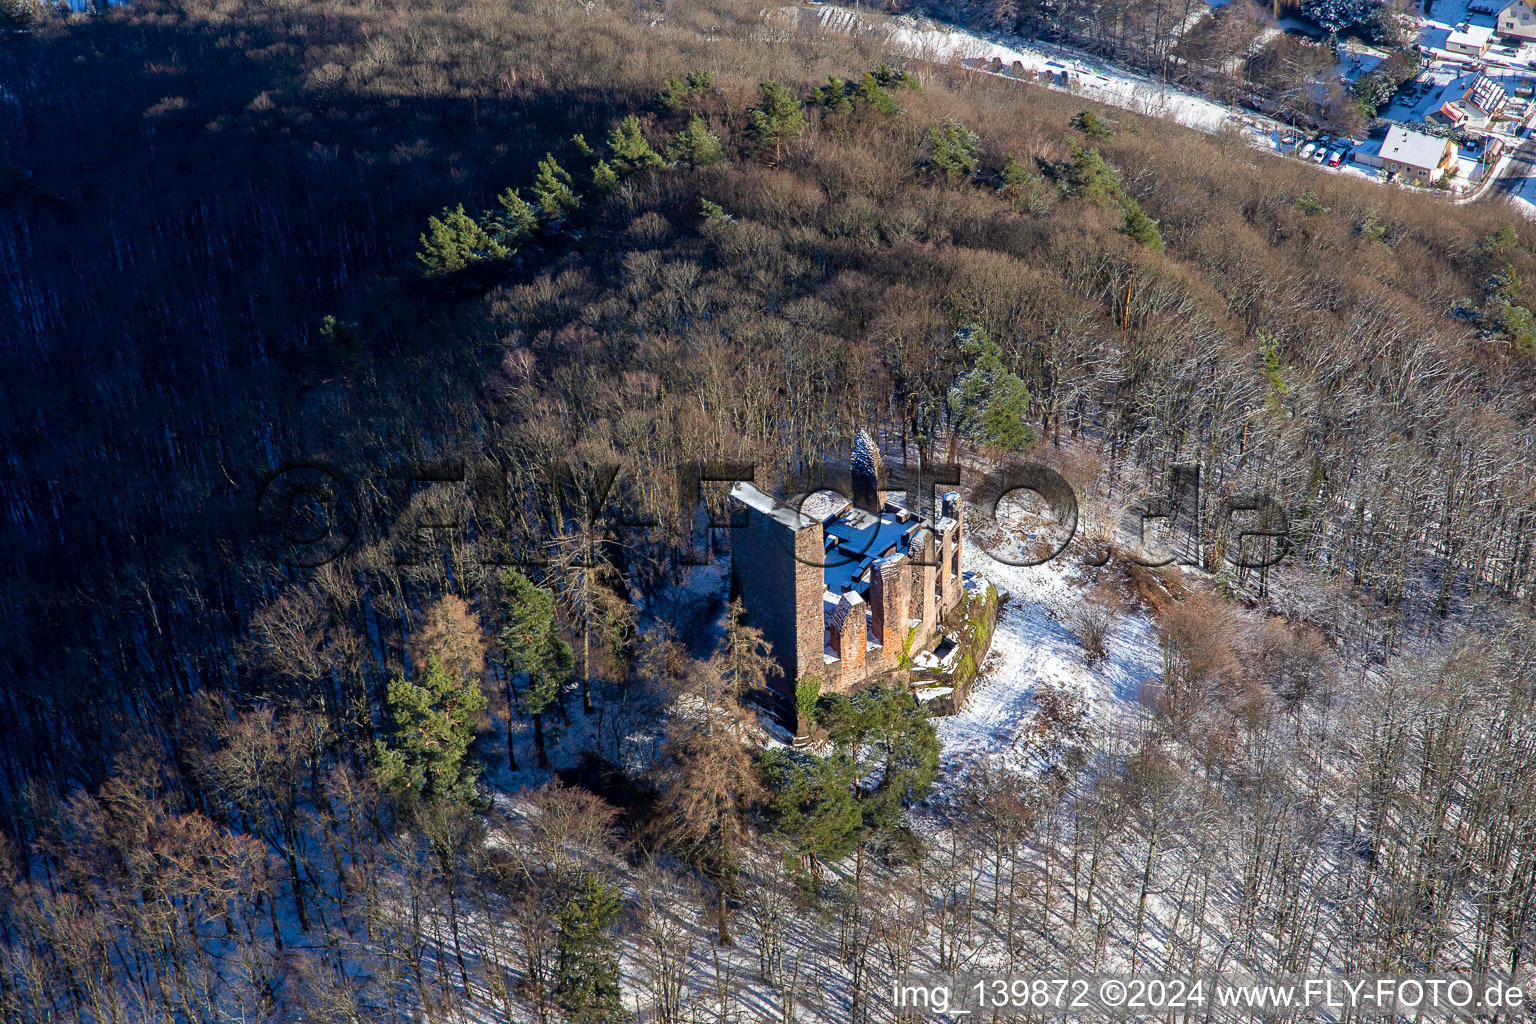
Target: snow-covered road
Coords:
[[1090, 78]]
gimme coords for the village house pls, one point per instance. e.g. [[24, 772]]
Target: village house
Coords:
[[1471, 101], [1517, 21], [1416, 156], [842, 594], [1471, 40]]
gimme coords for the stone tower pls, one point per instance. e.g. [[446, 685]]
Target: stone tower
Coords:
[[867, 470], [777, 559]]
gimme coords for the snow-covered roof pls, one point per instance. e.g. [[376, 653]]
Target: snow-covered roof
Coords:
[[822, 505], [1475, 97], [1487, 94], [1413, 148], [770, 506], [1470, 35]]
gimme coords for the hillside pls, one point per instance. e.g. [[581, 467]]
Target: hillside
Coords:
[[232, 245]]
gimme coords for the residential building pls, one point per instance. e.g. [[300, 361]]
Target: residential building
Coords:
[[1415, 155], [1517, 21], [1471, 101], [1471, 40]]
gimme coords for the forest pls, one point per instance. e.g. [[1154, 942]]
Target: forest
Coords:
[[496, 276]]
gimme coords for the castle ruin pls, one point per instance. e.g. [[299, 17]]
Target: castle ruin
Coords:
[[842, 594]]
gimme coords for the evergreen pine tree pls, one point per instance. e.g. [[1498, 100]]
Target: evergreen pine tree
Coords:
[[604, 180], [1023, 188], [955, 149], [833, 97], [627, 149], [514, 221], [674, 93], [1089, 177], [696, 146], [813, 804], [1014, 178], [1501, 242], [431, 727], [552, 191], [1508, 315], [988, 401], [454, 242], [777, 119], [587, 969], [893, 746], [1141, 228], [893, 79], [533, 648], [1092, 125], [872, 92]]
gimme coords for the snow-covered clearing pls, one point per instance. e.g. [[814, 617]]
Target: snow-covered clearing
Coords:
[[1034, 646]]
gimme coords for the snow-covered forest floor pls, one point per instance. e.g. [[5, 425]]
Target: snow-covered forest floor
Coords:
[[1035, 650]]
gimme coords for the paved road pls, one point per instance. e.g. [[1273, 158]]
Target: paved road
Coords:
[[1519, 167]]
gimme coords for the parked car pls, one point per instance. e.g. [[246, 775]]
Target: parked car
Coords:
[[1320, 155], [1335, 158], [1308, 150]]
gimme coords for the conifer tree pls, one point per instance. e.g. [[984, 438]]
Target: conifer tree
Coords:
[[587, 971], [813, 804], [875, 94], [955, 149], [534, 649], [1092, 125], [1013, 182], [777, 119], [697, 146], [604, 180], [987, 401], [552, 191], [1501, 242], [893, 79], [514, 221], [834, 96], [454, 242], [893, 746], [432, 725], [628, 150], [1141, 228], [674, 93], [1089, 177]]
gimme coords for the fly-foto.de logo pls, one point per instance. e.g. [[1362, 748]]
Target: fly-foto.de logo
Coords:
[[308, 512]]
